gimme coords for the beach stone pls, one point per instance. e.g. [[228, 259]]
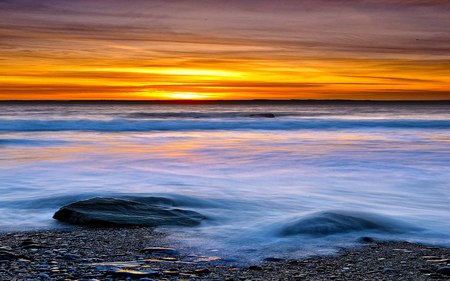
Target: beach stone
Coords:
[[133, 273], [444, 271], [160, 250], [7, 255], [171, 271], [263, 115], [255, 267], [334, 222], [202, 271], [108, 212], [366, 239], [43, 276], [71, 257], [272, 259]]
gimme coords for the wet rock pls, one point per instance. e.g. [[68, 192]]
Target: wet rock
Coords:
[[202, 271], [425, 270], [71, 257], [333, 222], [366, 239], [133, 273], [262, 115], [31, 244], [7, 255], [444, 271], [271, 259], [159, 250], [171, 272], [43, 276], [108, 212], [255, 267]]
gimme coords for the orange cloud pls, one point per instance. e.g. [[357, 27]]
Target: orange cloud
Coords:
[[216, 50]]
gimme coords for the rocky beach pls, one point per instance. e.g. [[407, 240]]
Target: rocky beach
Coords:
[[141, 253]]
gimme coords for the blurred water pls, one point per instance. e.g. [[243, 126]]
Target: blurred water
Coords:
[[375, 169]]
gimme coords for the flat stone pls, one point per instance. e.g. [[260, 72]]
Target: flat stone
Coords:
[[108, 212], [7, 255], [133, 273], [444, 271], [160, 250], [262, 115]]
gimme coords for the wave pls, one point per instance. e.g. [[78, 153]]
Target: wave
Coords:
[[202, 115], [172, 200], [31, 142], [338, 222], [120, 125]]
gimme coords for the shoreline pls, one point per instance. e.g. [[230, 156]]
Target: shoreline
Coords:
[[141, 253]]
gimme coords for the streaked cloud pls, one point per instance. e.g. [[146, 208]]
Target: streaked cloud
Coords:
[[383, 49]]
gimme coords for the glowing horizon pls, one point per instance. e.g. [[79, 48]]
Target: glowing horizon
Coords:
[[106, 50]]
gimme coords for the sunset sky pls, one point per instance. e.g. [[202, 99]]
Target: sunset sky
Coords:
[[235, 49]]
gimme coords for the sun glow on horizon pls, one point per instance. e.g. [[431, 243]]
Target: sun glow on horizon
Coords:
[[187, 96], [61, 51]]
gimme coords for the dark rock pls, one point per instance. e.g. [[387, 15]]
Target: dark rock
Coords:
[[444, 271], [107, 212], [133, 273], [366, 239], [271, 259], [6, 255], [27, 242], [43, 276], [71, 257], [34, 246], [425, 270], [263, 115], [171, 271], [333, 222], [255, 267], [202, 271], [160, 250]]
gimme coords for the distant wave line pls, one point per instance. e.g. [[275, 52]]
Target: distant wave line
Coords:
[[120, 125]]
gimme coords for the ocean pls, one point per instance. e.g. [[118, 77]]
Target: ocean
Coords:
[[286, 179]]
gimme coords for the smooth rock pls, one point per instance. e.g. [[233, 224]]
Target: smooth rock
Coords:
[[366, 239], [202, 271], [133, 273], [159, 250], [272, 259], [444, 271], [6, 255], [171, 272], [255, 267], [263, 115], [334, 222], [106, 212]]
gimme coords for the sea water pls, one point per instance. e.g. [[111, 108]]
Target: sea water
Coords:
[[314, 178]]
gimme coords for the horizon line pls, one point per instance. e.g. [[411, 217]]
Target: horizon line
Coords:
[[215, 100]]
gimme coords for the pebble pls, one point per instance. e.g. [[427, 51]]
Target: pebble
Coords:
[[444, 271], [255, 267], [160, 250]]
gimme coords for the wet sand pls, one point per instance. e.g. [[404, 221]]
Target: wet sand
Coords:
[[144, 254]]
